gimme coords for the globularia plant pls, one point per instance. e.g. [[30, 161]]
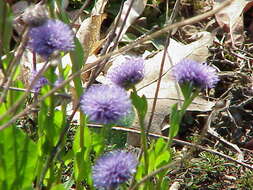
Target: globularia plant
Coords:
[[113, 169], [105, 104], [128, 73], [52, 35], [198, 74], [192, 77]]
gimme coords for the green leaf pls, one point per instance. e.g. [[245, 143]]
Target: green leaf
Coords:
[[58, 187], [82, 161], [18, 159], [159, 146], [3, 109], [77, 59], [162, 153], [5, 26], [186, 89], [165, 183], [62, 14], [162, 159], [98, 141], [140, 170], [141, 105], [50, 125], [152, 158], [174, 121]]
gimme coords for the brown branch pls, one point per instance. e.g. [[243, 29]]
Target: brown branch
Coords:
[[172, 18]]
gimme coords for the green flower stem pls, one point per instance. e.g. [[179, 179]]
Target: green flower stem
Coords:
[[177, 117], [81, 127], [144, 145], [141, 111], [189, 100]]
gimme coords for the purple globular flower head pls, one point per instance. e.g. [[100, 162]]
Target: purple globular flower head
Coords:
[[39, 83], [128, 73], [200, 75], [52, 35], [114, 168], [105, 104]]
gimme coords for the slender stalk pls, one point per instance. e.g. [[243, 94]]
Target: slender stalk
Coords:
[[86, 3], [167, 42], [12, 64], [112, 38]]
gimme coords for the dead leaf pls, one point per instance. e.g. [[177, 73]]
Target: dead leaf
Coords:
[[231, 19], [89, 31]]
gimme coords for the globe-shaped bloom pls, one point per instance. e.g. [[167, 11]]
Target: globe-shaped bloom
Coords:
[[105, 104], [52, 35], [114, 168], [200, 75], [128, 73]]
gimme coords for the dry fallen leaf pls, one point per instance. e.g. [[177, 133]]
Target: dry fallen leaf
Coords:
[[89, 31], [231, 19]]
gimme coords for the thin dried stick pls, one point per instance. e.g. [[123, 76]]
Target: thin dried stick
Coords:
[[86, 3], [110, 38], [10, 69], [172, 17], [99, 70]]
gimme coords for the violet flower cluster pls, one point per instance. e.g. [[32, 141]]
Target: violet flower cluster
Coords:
[[52, 35], [128, 73], [113, 169], [105, 104], [200, 75]]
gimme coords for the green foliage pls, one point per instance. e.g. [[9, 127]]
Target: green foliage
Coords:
[[175, 118], [17, 161], [141, 105], [82, 159], [77, 58], [159, 155], [5, 26], [246, 182], [58, 187]]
